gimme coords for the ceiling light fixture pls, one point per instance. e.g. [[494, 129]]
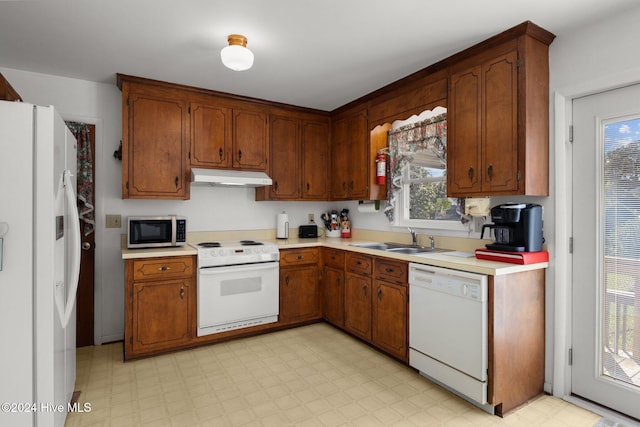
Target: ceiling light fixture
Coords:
[[236, 56]]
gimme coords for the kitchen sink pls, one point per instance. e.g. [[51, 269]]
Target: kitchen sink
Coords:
[[399, 248]]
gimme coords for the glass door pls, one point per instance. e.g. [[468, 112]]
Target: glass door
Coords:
[[606, 242]]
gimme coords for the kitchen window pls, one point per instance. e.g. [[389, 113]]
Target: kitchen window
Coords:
[[418, 187]]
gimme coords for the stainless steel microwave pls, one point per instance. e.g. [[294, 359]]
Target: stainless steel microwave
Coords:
[[156, 231]]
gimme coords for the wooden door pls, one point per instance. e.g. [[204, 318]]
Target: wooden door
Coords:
[[357, 301], [285, 158], [250, 140], [389, 323], [85, 318], [160, 314], [210, 136], [464, 167], [500, 124], [299, 299], [156, 164], [315, 160], [333, 296]]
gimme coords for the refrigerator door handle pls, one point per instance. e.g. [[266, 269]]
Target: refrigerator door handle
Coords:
[[75, 254]]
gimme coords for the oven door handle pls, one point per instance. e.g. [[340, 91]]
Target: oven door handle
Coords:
[[241, 267]]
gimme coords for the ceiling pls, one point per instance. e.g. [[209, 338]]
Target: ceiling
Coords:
[[318, 54]]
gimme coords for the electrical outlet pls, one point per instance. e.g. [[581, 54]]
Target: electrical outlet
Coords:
[[113, 221], [311, 218], [478, 222]]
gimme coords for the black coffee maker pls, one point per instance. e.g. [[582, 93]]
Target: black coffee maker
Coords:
[[517, 227]]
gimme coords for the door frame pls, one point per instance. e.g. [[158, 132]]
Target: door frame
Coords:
[[562, 114], [99, 225]]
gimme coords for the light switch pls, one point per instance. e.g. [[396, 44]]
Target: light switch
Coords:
[[113, 221]]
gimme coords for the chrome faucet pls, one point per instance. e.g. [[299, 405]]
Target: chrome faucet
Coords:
[[432, 242], [414, 237]]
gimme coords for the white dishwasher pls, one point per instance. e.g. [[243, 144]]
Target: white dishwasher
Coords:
[[448, 329]]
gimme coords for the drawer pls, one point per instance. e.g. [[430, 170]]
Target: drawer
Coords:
[[299, 256], [391, 270], [359, 263], [334, 258], [163, 268]]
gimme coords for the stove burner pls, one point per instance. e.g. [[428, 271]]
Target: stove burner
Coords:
[[209, 244], [250, 243]]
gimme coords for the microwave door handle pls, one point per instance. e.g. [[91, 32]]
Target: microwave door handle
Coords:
[[174, 225]]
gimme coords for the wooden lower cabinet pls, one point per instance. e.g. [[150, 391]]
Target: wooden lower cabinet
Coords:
[[160, 304], [389, 321], [333, 296], [357, 302], [299, 286], [299, 294]]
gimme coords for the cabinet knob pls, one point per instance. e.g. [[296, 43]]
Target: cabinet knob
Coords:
[[308, 187], [239, 154], [364, 290], [470, 174], [181, 292], [380, 294], [177, 181], [490, 172], [220, 153], [286, 280], [275, 186]]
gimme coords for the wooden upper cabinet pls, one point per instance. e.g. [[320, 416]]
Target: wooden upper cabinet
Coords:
[[498, 116], [315, 159], [7, 92], [210, 135], [285, 158], [350, 157], [155, 143], [299, 153], [250, 142]]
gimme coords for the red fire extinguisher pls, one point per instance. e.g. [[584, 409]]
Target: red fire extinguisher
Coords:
[[381, 169]]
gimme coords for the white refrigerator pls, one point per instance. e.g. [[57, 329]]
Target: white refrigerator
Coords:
[[39, 265]]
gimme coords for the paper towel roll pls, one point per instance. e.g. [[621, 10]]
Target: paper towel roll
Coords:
[[369, 207], [282, 227]]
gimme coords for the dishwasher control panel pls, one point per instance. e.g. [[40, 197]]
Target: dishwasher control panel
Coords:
[[453, 282]]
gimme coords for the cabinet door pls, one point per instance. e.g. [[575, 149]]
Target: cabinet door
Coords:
[[357, 302], [359, 157], [339, 160], [285, 158], [315, 160], [210, 136], [299, 299], [333, 296], [161, 315], [500, 119], [464, 133], [389, 330], [249, 140], [155, 146]]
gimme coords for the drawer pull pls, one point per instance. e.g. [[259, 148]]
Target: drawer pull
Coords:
[[164, 268], [300, 256], [181, 292], [358, 262], [389, 270]]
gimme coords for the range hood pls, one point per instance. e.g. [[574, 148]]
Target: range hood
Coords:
[[230, 178]]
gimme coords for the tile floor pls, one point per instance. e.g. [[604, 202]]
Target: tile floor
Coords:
[[309, 376]]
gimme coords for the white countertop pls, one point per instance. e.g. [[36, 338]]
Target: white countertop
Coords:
[[455, 259]]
